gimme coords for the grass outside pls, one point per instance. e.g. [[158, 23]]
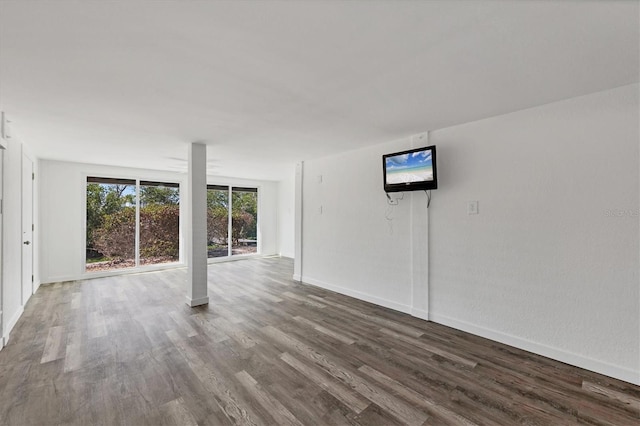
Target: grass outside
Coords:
[[98, 259]]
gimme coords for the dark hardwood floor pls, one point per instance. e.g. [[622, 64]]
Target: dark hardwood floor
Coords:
[[266, 350]]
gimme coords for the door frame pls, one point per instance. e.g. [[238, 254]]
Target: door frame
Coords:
[[2, 341]]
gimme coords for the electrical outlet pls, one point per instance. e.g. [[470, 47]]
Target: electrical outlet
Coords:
[[472, 207]]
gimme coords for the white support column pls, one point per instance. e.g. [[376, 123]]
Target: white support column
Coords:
[[197, 231], [297, 261]]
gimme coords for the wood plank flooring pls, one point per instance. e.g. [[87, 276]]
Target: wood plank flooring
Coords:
[[127, 350]]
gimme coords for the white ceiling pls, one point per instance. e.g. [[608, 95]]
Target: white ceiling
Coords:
[[266, 83]]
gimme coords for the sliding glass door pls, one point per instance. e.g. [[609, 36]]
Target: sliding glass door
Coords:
[[131, 223], [159, 222], [244, 221], [232, 221], [217, 221]]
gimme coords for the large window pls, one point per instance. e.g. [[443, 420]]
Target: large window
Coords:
[[131, 223], [232, 220]]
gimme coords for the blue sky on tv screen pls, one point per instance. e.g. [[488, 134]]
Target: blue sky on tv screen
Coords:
[[413, 160]]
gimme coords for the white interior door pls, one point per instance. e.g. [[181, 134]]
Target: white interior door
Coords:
[[1, 243], [27, 228]]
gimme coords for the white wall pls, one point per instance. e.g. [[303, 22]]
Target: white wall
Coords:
[[286, 214], [544, 266], [62, 197], [358, 244]]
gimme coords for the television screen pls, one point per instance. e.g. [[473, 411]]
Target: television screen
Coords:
[[410, 170]]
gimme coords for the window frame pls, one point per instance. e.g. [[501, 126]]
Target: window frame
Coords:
[[229, 187], [122, 178]]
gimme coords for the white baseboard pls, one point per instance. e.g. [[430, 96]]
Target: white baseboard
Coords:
[[36, 286], [297, 277], [59, 279], [197, 301], [617, 372], [10, 324], [359, 295], [419, 313]]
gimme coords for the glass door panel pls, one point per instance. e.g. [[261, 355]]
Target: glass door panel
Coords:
[[111, 224], [217, 221], [244, 220], [159, 222]]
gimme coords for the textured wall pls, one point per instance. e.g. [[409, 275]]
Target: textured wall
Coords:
[[353, 241], [551, 263], [546, 264]]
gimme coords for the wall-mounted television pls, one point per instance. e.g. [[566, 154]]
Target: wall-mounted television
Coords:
[[412, 170]]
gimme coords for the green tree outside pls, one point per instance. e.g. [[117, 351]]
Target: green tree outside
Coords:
[[104, 200]]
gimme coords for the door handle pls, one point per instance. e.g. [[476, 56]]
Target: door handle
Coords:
[[26, 243]]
